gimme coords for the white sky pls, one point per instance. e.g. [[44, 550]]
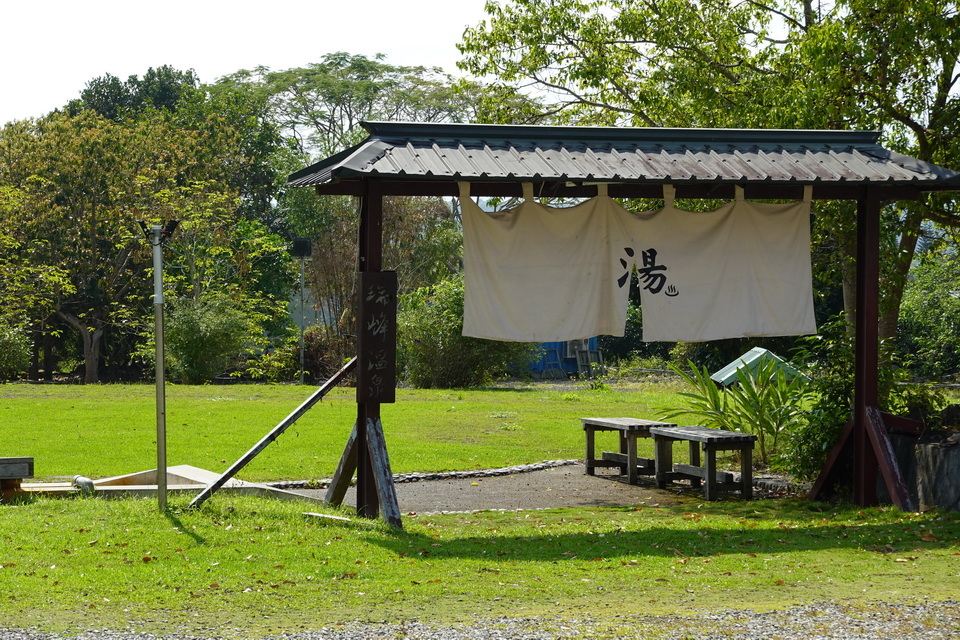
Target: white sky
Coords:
[[50, 50]]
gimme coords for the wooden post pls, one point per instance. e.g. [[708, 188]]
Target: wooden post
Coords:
[[866, 358], [866, 439], [376, 361]]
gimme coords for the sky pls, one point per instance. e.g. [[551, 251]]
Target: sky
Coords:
[[50, 50]]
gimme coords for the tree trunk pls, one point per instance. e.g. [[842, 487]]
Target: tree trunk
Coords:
[[897, 275], [92, 340]]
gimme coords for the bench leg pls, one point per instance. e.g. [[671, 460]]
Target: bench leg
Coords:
[[710, 471], [589, 457], [632, 476], [624, 449], [746, 473], [663, 455], [695, 461]]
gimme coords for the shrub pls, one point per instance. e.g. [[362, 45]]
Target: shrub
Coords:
[[205, 337], [763, 401], [15, 352], [325, 352], [432, 351], [829, 357], [278, 364]]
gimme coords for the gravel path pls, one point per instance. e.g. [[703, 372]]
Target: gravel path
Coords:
[[823, 621]]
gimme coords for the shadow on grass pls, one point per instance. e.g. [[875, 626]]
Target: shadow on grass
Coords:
[[182, 528], [745, 533]]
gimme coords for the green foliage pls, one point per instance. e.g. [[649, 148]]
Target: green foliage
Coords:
[[829, 357], [279, 363], [434, 353], [929, 330], [205, 337], [769, 403], [764, 402], [707, 402], [14, 352]]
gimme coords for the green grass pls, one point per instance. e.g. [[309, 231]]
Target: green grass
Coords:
[[250, 567], [261, 566], [107, 430]]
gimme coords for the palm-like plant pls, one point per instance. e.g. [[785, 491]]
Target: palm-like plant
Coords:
[[764, 402]]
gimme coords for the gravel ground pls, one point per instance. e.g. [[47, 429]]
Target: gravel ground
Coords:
[[823, 621]]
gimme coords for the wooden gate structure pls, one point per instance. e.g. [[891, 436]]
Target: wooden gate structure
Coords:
[[428, 159]]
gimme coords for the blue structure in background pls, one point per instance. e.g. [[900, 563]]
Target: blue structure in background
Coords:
[[570, 358]]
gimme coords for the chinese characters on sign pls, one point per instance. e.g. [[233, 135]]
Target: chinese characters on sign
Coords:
[[377, 367], [652, 276]]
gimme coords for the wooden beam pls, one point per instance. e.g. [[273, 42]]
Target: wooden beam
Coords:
[[866, 348], [337, 489], [866, 440], [274, 433]]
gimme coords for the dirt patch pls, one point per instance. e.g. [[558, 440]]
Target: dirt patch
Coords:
[[558, 487]]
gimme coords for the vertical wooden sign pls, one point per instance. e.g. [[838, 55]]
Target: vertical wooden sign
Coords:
[[377, 362]]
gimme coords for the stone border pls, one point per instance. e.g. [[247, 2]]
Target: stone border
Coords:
[[767, 482]]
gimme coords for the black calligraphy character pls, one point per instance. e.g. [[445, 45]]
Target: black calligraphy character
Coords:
[[651, 273], [622, 280]]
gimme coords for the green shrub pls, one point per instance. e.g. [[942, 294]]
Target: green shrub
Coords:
[[206, 337], [764, 401], [432, 351], [325, 351], [15, 352], [278, 364], [829, 357]]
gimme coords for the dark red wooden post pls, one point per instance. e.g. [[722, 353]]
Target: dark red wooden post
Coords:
[[370, 258], [867, 357], [866, 440]]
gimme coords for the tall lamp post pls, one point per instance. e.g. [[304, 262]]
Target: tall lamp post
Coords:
[[157, 236], [301, 249]]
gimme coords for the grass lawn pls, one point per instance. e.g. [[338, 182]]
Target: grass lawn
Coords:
[[249, 567], [105, 430]]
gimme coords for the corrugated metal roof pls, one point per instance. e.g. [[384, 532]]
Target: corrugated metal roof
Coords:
[[449, 152]]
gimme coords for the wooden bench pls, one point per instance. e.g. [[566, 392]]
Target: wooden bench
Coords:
[[710, 441], [12, 473], [626, 460]]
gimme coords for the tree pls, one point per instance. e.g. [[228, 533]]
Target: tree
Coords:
[[321, 105], [84, 182], [885, 64], [163, 88], [226, 114], [929, 328]]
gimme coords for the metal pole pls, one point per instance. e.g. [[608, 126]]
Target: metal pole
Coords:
[[156, 242], [303, 318]]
